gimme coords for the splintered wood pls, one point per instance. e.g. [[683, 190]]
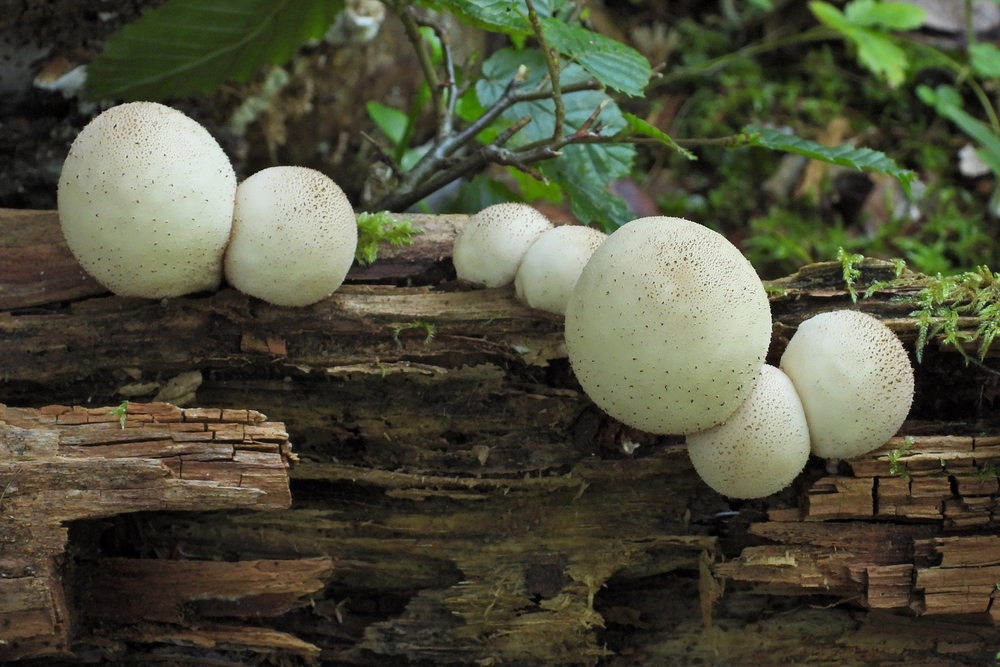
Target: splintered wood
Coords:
[[59, 464], [932, 484]]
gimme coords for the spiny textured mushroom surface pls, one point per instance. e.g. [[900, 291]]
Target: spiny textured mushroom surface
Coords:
[[552, 265], [668, 326], [761, 448], [294, 236], [854, 379], [489, 248], [146, 201]]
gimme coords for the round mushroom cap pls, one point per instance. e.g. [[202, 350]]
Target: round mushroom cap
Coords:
[[294, 236], [854, 379], [146, 201], [491, 245], [668, 326], [761, 448], [552, 265]]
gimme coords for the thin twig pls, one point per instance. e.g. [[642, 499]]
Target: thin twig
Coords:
[[383, 154], [552, 62], [412, 28], [446, 120]]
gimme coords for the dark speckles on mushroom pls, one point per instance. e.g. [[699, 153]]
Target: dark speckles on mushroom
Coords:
[[171, 153], [690, 326]]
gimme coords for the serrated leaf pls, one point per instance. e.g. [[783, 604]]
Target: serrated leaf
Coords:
[[612, 63], [192, 46], [889, 15], [506, 16], [985, 59], [844, 155], [584, 171], [639, 126]]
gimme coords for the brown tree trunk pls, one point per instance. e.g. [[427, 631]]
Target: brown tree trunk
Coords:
[[458, 500]]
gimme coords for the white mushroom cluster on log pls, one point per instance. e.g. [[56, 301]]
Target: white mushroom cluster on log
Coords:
[[147, 201]]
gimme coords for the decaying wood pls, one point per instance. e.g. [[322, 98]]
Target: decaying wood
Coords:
[[61, 464], [458, 500]]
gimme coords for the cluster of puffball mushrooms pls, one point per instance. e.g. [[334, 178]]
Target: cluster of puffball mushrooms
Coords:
[[667, 324], [667, 329]]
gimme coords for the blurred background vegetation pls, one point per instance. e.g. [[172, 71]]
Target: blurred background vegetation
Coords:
[[915, 80]]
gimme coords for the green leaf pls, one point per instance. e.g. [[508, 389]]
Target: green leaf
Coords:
[[888, 15], [584, 171], [392, 122], [639, 126], [876, 52], [192, 46], [533, 189], [613, 64], [985, 60], [948, 103], [498, 70], [844, 155], [506, 16]]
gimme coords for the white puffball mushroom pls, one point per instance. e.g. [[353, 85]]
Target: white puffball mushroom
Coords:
[[489, 248], [854, 379], [294, 236], [146, 201], [761, 448], [668, 326], [552, 265]]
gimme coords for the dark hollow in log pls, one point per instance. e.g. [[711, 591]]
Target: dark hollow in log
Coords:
[[458, 499]]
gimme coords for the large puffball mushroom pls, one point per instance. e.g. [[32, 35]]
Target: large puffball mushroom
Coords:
[[146, 201], [854, 379], [668, 326], [761, 448], [294, 236], [489, 248], [552, 265]]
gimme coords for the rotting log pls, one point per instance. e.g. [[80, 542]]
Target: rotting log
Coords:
[[478, 509], [60, 464]]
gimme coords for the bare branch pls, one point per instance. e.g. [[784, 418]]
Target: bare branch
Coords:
[[552, 61]]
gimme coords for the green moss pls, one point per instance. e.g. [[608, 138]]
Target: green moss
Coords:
[[120, 412], [896, 468], [381, 227], [426, 326]]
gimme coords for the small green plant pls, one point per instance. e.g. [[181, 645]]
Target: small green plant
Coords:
[[944, 300], [897, 469], [987, 471], [120, 412], [381, 227], [849, 269], [426, 326]]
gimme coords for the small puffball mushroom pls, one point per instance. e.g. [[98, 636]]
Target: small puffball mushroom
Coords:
[[854, 379], [668, 326], [491, 245], [552, 265], [761, 448], [146, 201], [294, 236]]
